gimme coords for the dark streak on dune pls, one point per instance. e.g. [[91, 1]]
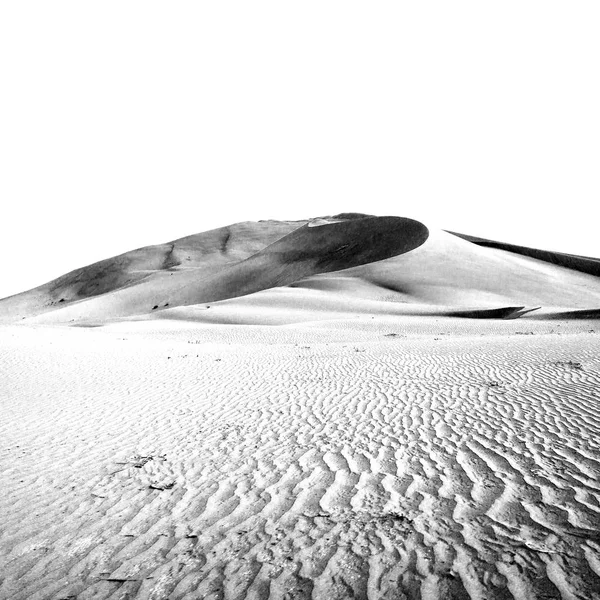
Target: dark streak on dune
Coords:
[[503, 313], [348, 244], [170, 260], [395, 287], [225, 240], [506, 312], [586, 313], [493, 313], [349, 216], [584, 264]]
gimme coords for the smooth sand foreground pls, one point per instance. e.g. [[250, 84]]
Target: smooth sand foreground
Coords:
[[358, 459]]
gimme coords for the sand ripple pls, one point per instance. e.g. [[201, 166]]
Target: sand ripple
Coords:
[[468, 468]]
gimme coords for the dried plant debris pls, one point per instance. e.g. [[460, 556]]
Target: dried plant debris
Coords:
[[570, 364], [162, 486], [139, 461]]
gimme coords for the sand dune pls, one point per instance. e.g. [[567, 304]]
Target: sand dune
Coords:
[[585, 264], [346, 407], [389, 260], [449, 271], [205, 253], [150, 278]]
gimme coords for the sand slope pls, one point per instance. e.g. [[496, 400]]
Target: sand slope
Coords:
[[585, 264], [205, 253]]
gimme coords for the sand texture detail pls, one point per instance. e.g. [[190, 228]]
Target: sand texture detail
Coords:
[[195, 464]]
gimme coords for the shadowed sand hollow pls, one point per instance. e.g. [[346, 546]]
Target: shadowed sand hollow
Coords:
[[365, 411]]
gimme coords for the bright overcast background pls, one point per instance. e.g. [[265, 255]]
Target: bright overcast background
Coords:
[[129, 123]]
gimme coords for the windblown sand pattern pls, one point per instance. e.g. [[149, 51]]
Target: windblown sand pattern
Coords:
[[362, 445], [375, 467]]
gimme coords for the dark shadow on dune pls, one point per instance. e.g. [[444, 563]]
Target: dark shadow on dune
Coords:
[[582, 314], [309, 251], [503, 313], [584, 264], [347, 244], [506, 312], [349, 216], [395, 287]]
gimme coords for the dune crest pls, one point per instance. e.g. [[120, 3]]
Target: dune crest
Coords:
[[585, 264]]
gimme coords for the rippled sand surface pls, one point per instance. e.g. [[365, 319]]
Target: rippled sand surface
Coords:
[[359, 461]]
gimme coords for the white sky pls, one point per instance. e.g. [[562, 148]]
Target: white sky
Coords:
[[128, 123]]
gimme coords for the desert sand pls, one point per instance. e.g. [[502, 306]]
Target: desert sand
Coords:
[[349, 407]]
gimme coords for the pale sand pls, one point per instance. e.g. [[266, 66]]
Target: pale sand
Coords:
[[457, 458]]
